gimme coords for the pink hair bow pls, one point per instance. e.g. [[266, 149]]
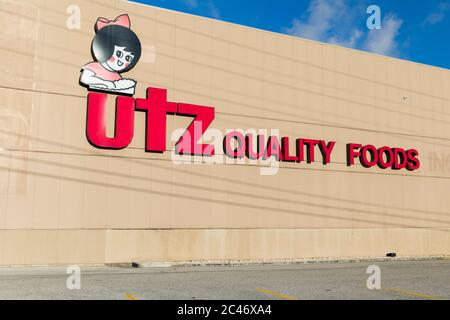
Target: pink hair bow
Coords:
[[122, 20]]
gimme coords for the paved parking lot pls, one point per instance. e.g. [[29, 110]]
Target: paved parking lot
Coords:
[[399, 280]]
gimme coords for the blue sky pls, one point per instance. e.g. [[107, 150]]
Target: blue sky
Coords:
[[415, 30]]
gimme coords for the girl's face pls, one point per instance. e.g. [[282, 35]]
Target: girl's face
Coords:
[[120, 59]]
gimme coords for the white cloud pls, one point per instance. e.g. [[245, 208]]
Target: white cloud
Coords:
[[207, 7], [213, 10], [338, 23], [323, 16], [351, 42], [190, 3], [439, 15], [384, 40]]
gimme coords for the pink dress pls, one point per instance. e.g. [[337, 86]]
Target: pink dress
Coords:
[[101, 72]]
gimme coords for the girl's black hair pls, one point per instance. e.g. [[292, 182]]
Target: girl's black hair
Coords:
[[106, 38]]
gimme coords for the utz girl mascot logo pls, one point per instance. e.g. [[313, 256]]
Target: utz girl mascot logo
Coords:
[[116, 49]]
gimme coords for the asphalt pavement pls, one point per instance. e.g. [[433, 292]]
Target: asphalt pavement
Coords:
[[388, 280]]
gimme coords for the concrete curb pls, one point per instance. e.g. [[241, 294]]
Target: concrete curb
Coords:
[[231, 263], [165, 264]]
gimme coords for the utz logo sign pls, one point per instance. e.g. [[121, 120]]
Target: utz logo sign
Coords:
[[116, 49]]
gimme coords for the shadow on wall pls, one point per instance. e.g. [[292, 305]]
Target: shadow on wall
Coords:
[[254, 196], [13, 183]]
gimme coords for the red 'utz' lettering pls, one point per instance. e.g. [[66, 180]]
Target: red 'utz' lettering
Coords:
[[96, 122], [188, 143], [156, 108]]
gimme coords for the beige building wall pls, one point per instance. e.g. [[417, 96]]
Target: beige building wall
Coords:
[[63, 201]]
